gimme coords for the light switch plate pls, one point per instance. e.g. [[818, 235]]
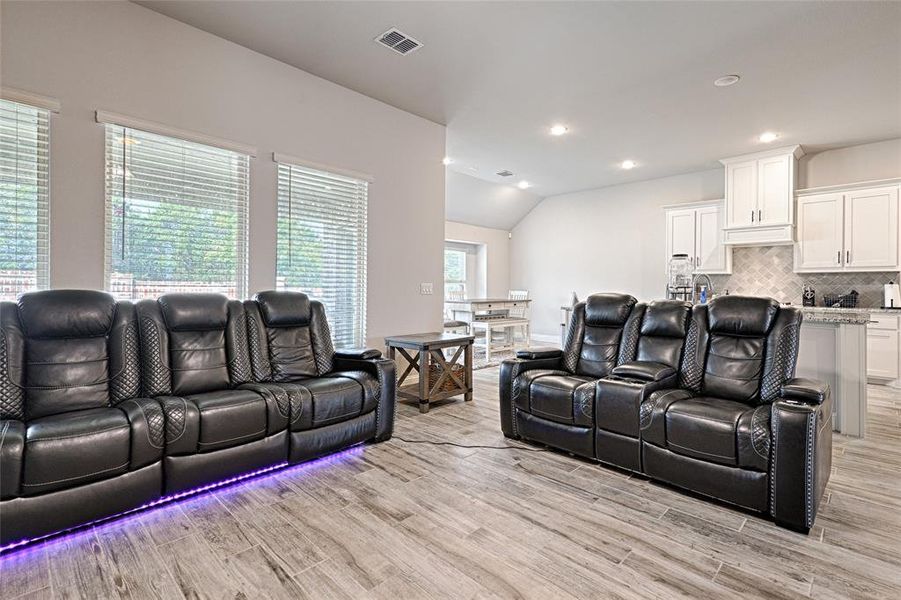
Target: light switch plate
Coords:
[[425, 289]]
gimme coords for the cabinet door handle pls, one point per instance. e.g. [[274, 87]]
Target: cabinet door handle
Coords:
[[847, 257], [698, 261], [752, 216], [838, 258], [759, 215]]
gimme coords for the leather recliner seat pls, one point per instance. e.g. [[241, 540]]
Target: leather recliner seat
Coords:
[[78, 441], [707, 403], [554, 403], [337, 398], [106, 406], [196, 364]]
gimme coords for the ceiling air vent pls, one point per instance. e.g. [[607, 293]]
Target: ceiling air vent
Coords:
[[505, 173], [398, 41]]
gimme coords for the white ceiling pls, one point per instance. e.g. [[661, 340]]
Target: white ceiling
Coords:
[[631, 79], [479, 202]]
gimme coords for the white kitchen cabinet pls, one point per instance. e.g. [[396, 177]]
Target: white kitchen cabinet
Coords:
[[760, 192], [871, 229], [854, 229], [741, 183], [775, 190], [882, 347], [696, 231], [821, 230]]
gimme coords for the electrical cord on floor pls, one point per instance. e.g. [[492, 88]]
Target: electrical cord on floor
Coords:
[[477, 446]]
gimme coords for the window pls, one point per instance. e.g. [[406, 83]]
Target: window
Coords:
[[24, 198], [454, 273], [321, 248], [176, 216]]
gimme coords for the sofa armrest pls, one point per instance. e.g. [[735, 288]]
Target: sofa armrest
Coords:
[[148, 435], [644, 370], [801, 458], [538, 353], [510, 370], [358, 353], [385, 371], [805, 391]]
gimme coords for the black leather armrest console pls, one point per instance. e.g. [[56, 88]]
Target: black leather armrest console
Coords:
[[537, 353], [358, 353], [644, 370], [806, 391]]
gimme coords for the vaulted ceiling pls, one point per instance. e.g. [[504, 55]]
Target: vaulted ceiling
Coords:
[[631, 80]]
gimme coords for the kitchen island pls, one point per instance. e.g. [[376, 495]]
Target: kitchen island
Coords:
[[833, 349]]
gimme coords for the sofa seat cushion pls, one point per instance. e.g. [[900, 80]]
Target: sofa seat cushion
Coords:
[[229, 418], [332, 399], [719, 431], [567, 399], [74, 448]]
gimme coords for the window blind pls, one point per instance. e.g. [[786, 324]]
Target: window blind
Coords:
[[176, 216], [321, 245], [24, 198]]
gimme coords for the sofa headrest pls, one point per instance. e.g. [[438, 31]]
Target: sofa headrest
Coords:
[[66, 313], [284, 309], [608, 310], [666, 318], [742, 315], [194, 312]]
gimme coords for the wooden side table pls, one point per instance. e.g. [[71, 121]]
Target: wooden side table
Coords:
[[429, 346]]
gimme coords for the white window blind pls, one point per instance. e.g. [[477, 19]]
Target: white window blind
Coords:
[[176, 216], [322, 245], [24, 198]]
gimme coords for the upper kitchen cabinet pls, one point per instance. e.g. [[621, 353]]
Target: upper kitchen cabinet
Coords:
[[696, 230], [760, 191], [854, 228]]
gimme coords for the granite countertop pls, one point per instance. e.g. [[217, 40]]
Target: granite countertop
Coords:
[[822, 314]]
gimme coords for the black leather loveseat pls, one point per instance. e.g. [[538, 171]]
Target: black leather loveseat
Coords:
[[107, 406], [701, 397]]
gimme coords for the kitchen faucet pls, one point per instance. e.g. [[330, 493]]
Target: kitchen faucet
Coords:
[[695, 295]]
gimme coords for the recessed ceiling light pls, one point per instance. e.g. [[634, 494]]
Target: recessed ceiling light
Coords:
[[559, 129], [628, 164], [726, 80], [768, 137], [523, 185], [446, 160]]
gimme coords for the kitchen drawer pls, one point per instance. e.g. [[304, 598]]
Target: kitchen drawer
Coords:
[[883, 321]]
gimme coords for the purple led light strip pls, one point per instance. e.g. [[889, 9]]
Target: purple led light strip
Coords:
[[282, 467]]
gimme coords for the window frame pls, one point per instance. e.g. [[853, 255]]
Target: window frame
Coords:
[[290, 197], [461, 283], [41, 110], [238, 171]]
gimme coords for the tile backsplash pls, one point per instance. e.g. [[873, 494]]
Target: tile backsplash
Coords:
[[768, 271]]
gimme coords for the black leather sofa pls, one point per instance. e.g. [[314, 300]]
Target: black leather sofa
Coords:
[[700, 397], [107, 406]]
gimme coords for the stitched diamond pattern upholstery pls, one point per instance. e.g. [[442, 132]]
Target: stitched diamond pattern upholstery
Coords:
[[12, 398]]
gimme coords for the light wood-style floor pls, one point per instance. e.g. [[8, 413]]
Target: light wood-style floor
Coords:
[[401, 520]]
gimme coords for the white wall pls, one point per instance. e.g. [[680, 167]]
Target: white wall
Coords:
[[485, 203], [608, 239], [124, 58], [866, 162], [494, 255], [612, 239]]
